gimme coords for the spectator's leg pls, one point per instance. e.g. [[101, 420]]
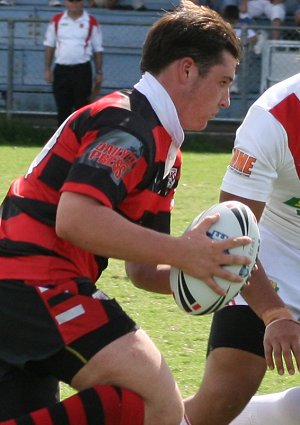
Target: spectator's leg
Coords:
[[62, 90], [82, 84]]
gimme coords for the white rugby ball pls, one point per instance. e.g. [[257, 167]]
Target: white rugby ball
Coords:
[[193, 295]]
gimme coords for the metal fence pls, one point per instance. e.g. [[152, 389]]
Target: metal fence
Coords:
[[23, 89], [264, 63]]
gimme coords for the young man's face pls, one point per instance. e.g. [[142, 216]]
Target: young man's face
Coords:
[[74, 6], [203, 97]]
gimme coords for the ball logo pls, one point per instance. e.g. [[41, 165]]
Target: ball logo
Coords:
[[245, 271], [216, 235]]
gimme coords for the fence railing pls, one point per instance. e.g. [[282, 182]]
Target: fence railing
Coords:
[[23, 89]]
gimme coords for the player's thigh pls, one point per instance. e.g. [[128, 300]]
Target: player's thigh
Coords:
[[90, 340], [230, 379], [236, 369], [235, 353], [72, 322], [134, 362], [237, 326]]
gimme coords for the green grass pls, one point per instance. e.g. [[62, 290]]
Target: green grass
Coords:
[[181, 338]]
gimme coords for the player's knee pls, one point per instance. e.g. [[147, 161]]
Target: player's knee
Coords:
[[172, 417], [229, 403], [238, 400], [168, 411], [166, 417]]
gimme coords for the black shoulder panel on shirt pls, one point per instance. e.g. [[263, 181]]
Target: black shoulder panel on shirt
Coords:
[[55, 172], [137, 119], [134, 116]]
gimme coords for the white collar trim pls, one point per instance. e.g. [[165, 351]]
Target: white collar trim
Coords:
[[164, 108]]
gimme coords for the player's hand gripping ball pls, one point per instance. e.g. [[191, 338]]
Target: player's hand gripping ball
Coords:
[[193, 295]]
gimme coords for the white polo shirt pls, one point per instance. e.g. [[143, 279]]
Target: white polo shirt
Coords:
[[72, 39]]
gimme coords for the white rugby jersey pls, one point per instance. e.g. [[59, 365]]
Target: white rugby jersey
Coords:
[[265, 165]]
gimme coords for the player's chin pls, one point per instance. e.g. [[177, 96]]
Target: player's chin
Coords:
[[199, 126]]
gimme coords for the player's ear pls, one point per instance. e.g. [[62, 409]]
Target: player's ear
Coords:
[[185, 66]]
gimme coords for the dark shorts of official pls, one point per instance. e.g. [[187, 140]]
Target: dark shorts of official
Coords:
[[54, 329], [237, 326]]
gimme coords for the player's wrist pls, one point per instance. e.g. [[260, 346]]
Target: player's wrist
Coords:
[[274, 314], [280, 320]]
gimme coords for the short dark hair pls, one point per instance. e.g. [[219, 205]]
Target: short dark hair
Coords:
[[189, 31]]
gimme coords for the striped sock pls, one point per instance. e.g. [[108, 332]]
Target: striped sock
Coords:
[[101, 405]]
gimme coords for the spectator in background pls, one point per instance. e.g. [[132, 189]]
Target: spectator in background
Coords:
[[297, 16], [231, 14], [248, 37], [74, 37], [274, 10], [55, 3]]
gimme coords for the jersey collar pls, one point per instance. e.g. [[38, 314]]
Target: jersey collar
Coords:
[[164, 108]]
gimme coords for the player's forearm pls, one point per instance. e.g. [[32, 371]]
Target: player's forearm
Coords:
[[263, 299], [149, 277]]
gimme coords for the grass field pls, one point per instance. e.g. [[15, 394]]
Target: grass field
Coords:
[[180, 337]]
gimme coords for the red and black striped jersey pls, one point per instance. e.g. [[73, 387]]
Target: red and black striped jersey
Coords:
[[114, 151]]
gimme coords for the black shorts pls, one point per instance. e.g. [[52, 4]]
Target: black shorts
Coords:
[[54, 329], [22, 392], [237, 326]]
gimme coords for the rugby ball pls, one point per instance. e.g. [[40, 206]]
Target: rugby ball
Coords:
[[193, 295]]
